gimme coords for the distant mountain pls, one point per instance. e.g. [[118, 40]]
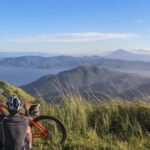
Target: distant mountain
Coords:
[[35, 61], [40, 62], [120, 53], [71, 62], [7, 90], [19, 54], [126, 55], [88, 81], [67, 62]]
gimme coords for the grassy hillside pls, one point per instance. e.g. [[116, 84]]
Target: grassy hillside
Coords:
[[107, 125], [7, 90]]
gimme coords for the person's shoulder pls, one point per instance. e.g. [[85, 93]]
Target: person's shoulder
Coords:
[[21, 116], [18, 117]]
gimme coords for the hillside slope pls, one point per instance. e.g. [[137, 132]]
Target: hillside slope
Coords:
[[88, 81], [7, 90]]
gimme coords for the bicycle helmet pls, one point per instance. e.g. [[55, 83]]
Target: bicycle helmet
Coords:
[[14, 103]]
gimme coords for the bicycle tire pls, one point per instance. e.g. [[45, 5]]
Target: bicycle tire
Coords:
[[57, 121]]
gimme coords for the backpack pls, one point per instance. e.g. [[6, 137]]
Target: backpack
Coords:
[[14, 132]]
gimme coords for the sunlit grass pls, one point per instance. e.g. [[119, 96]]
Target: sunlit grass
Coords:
[[9, 90], [100, 125]]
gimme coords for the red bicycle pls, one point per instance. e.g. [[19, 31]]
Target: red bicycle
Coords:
[[46, 129]]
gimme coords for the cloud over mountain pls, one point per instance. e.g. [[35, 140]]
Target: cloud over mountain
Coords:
[[74, 37]]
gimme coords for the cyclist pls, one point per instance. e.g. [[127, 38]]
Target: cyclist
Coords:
[[15, 128]]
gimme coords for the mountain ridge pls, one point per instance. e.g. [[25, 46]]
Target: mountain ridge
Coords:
[[71, 62], [85, 79]]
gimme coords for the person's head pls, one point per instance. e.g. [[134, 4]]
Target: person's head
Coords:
[[14, 104]]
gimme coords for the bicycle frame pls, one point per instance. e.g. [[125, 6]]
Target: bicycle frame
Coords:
[[43, 133]]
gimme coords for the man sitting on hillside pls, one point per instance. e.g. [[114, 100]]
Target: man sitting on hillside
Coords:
[[15, 128]]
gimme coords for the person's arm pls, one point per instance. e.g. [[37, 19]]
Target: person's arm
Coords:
[[29, 133]]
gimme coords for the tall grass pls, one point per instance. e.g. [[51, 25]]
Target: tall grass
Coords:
[[100, 125]]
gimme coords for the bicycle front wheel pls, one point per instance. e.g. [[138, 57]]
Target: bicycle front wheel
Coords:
[[53, 128]]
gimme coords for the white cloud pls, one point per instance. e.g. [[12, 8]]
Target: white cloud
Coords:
[[74, 37], [141, 50]]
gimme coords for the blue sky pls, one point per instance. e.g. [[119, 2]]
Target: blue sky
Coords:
[[74, 26]]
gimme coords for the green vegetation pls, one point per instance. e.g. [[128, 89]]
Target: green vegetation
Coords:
[[103, 125], [7, 89]]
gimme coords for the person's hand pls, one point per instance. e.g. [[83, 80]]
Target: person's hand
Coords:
[[27, 106]]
